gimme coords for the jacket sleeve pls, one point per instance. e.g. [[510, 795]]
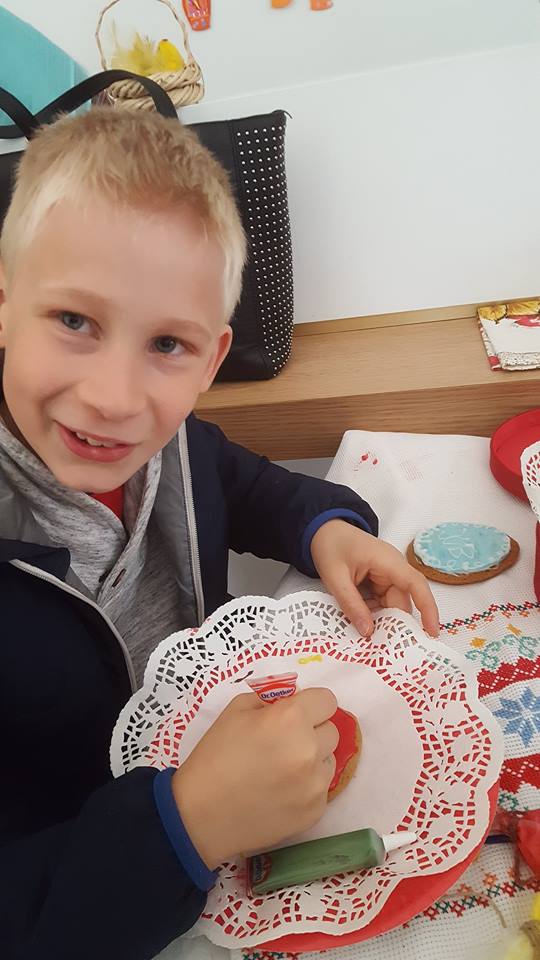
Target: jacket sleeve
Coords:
[[274, 513], [106, 884]]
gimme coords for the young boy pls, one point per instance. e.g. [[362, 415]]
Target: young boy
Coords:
[[122, 255]]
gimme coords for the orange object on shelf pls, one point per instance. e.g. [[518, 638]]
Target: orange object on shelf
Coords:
[[198, 13], [315, 4]]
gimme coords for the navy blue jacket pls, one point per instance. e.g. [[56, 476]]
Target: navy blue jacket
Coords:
[[90, 866]]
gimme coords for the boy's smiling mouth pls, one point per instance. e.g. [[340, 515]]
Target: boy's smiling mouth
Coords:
[[95, 443], [91, 447]]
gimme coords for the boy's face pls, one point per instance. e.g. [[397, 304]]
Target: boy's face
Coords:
[[112, 324]]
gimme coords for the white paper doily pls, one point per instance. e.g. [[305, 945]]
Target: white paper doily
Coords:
[[530, 472], [430, 752]]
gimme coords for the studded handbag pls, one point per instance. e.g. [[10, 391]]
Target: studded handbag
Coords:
[[252, 150]]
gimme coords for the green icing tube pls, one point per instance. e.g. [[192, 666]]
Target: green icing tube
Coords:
[[317, 859]]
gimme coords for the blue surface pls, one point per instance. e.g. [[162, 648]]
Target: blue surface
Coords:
[[33, 68]]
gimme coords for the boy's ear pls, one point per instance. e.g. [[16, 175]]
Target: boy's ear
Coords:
[[220, 352], [2, 283], [3, 295]]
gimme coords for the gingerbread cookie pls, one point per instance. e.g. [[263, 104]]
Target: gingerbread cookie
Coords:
[[347, 751], [460, 553]]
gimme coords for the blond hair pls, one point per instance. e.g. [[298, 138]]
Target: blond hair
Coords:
[[146, 161]]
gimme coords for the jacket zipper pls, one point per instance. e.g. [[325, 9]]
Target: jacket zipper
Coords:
[[41, 575], [191, 523]]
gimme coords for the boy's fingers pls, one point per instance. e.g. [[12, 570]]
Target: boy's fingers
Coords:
[[409, 580], [318, 703], [399, 598], [424, 602], [245, 701], [327, 739], [352, 603], [329, 765], [374, 604]]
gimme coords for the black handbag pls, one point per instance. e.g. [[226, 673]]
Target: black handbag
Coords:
[[252, 150]]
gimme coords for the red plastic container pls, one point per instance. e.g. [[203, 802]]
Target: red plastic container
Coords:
[[507, 444], [537, 564]]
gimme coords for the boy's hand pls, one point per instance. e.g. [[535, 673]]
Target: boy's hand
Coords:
[[345, 556], [260, 774]]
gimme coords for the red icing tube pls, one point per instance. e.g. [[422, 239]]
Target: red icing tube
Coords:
[[274, 687], [346, 725], [278, 686]]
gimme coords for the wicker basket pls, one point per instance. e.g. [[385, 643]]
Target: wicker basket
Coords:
[[184, 86]]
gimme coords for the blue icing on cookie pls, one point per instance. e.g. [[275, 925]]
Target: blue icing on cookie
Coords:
[[461, 548]]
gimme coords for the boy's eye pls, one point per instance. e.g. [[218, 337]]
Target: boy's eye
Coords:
[[168, 345], [73, 321]]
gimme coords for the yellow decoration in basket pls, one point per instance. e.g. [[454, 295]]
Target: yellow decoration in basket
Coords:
[[170, 57], [147, 57]]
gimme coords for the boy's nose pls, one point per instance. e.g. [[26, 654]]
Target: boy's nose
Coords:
[[115, 389]]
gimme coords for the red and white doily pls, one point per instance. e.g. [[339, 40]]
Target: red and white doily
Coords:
[[431, 751]]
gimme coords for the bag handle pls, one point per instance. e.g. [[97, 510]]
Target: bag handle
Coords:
[[23, 120], [26, 124]]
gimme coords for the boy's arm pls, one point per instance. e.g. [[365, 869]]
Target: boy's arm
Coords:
[[106, 884], [110, 884], [274, 513]]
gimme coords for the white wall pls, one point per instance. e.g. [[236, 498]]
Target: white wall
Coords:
[[252, 47], [413, 143], [412, 187]]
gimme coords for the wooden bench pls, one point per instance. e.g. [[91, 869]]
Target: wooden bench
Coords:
[[423, 372]]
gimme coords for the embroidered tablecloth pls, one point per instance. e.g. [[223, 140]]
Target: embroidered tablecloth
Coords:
[[414, 482]]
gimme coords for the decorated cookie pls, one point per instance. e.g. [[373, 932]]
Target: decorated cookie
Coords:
[[462, 552], [347, 751]]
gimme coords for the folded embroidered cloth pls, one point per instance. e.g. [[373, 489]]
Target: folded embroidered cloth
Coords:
[[511, 334]]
